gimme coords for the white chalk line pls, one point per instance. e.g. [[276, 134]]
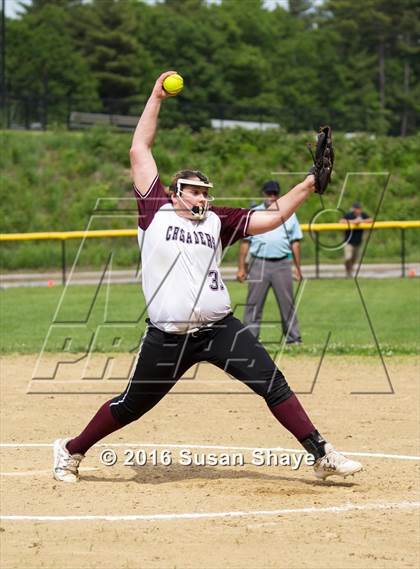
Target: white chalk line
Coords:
[[349, 507], [217, 447], [39, 472]]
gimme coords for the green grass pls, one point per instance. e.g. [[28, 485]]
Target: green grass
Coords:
[[86, 175], [115, 320]]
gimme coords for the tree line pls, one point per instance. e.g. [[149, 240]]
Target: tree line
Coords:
[[353, 64]]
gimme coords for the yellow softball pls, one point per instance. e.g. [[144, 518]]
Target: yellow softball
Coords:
[[173, 84]]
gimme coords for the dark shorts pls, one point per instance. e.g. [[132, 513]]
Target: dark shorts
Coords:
[[163, 358]]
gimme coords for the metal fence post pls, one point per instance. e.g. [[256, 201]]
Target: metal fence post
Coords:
[[402, 252], [63, 261], [316, 254]]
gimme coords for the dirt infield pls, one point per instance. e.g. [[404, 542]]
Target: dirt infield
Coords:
[[235, 516]]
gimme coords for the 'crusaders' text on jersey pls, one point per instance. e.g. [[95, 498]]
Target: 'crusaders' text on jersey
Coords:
[[181, 280]]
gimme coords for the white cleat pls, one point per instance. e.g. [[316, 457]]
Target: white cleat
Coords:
[[66, 465], [335, 464]]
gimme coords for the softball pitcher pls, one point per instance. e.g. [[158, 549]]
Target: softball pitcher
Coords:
[[181, 237]]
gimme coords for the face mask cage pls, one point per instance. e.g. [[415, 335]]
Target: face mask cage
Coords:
[[198, 212]]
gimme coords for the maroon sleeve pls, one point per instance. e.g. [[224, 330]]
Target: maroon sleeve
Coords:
[[234, 222], [149, 203]]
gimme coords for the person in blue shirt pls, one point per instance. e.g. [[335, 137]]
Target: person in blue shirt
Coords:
[[270, 265], [353, 236]]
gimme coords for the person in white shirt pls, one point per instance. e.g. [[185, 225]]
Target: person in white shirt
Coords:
[[190, 320]]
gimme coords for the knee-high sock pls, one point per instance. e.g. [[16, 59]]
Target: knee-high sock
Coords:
[[102, 424], [293, 417]]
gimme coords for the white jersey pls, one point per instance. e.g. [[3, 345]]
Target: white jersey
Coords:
[[181, 280]]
